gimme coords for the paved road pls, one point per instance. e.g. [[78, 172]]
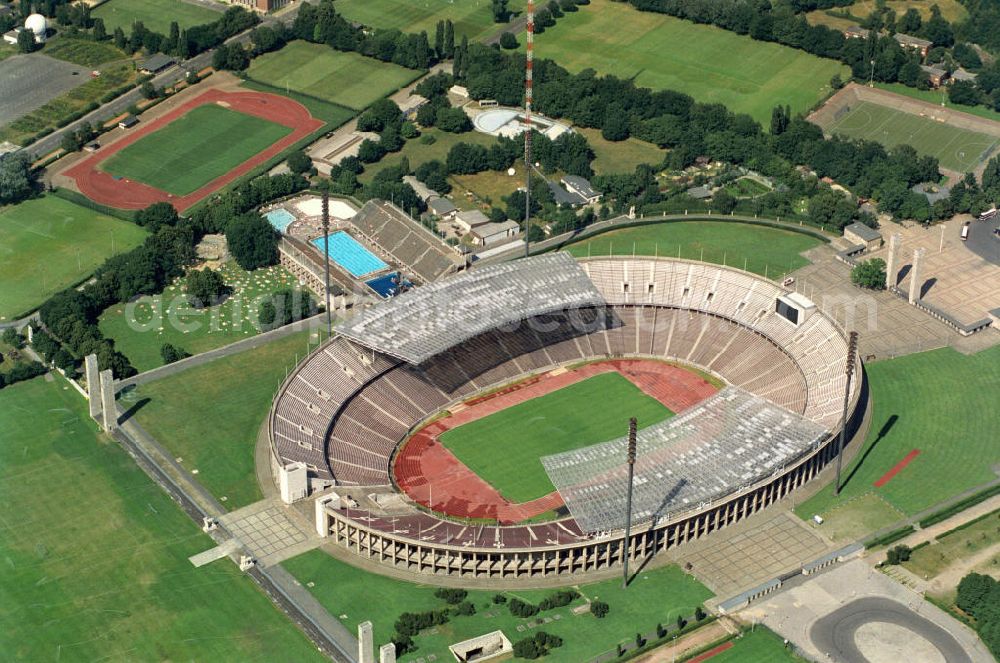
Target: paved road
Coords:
[[169, 77], [834, 634]]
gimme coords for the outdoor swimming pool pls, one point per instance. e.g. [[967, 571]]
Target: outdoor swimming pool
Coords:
[[280, 219], [349, 254]]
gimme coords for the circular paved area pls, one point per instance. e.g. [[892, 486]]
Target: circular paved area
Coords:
[[983, 242], [877, 626]]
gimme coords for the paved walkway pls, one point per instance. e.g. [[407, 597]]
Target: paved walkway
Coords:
[[271, 531], [686, 644]]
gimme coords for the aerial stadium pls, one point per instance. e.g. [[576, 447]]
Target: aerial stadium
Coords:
[[744, 385]]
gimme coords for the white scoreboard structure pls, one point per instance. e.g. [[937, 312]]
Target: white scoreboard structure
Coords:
[[794, 308]]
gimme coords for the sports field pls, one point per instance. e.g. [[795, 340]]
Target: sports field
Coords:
[[504, 448], [941, 403], [139, 328], [156, 15], [201, 145], [956, 149], [96, 555], [710, 64], [472, 18], [48, 244], [210, 415], [759, 249], [343, 78], [654, 596], [758, 646]]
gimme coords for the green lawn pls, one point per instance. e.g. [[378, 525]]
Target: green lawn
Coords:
[[140, 328], [473, 18], [745, 187], [418, 151], [622, 156], [760, 249], [656, 596], [84, 52], [48, 244], [711, 64], [194, 149], [344, 78], [940, 402], [762, 645], [956, 149], [96, 555], [210, 415], [154, 14], [504, 448], [936, 96], [930, 560]]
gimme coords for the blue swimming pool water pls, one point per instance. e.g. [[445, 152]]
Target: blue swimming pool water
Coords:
[[349, 254], [280, 219], [387, 285]]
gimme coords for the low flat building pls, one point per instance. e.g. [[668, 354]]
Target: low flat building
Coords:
[[914, 43], [262, 6], [564, 197], [963, 75], [423, 192], [491, 234], [859, 233], [699, 193], [935, 75], [856, 32], [442, 208], [128, 122], [582, 187], [156, 63], [471, 219], [11, 37], [411, 105]]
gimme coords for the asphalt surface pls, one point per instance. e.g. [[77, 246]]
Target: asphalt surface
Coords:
[[983, 241], [834, 634], [28, 82]]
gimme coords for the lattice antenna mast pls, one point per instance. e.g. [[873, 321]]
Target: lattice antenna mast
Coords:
[[852, 353], [630, 459], [326, 262], [528, 65]]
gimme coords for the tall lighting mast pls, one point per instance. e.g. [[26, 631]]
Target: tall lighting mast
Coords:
[[529, 62], [630, 460]]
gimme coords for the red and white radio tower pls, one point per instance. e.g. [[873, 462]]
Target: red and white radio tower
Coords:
[[529, 62]]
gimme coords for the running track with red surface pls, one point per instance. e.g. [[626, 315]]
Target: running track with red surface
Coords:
[[128, 194], [715, 651], [897, 468], [434, 477]]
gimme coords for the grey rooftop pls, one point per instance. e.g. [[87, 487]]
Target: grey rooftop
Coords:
[[424, 322]]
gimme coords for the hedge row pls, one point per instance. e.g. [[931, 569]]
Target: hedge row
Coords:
[[889, 537], [959, 506]]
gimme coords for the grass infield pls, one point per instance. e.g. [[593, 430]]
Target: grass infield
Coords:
[[96, 555], [156, 15], [940, 402], [343, 78], [711, 64], [957, 149], [760, 249], [210, 415], [504, 448], [201, 145], [48, 244], [653, 596], [761, 645]]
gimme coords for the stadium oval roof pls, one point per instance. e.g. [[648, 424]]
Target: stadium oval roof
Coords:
[[424, 322]]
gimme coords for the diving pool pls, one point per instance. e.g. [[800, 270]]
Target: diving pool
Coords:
[[280, 219]]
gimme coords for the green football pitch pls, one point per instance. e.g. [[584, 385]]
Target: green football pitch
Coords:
[[472, 18], [156, 15], [95, 555], [758, 646], [347, 79], [48, 244], [710, 64], [201, 145], [941, 403], [759, 249], [653, 596], [956, 149], [504, 448]]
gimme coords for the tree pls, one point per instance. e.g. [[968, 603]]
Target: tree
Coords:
[[964, 93], [898, 554], [171, 353], [599, 609], [16, 179], [831, 208], [253, 242], [25, 41], [449, 39], [615, 124], [508, 41], [452, 120], [100, 32], [156, 216], [299, 162], [439, 40], [910, 22], [370, 151], [148, 90], [13, 338], [500, 12], [972, 592], [68, 142], [723, 201], [869, 274], [205, 287]]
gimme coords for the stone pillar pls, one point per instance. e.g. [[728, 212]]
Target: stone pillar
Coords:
[[892, 261], [387, 653], [916, 278], [30, 331], [108, 408], [366, 649], [93, 376]]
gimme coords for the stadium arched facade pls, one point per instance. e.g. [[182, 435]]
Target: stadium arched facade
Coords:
[[346, 409]]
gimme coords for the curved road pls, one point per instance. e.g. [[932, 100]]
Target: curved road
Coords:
[[982, 240], [834, 634]]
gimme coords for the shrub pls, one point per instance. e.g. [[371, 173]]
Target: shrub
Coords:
[[498, 599], [508, 41], [599, 609], [13, 338], [171, 353], [699, 614], [558, 600], [519, 608], [898, 554], [299, 162], [451, 596], [465, 609]]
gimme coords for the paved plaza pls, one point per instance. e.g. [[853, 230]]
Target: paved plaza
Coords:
[[853, 613], [30, 81], [271, 531], [751, 552]]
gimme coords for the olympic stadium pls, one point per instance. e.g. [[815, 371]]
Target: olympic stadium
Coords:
[[751, 376]]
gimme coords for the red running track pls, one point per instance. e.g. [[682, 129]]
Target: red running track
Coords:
[[434, 477], [128, 194], [897, 468], [715, 651]]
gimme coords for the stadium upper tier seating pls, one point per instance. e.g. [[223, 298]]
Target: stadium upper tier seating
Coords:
[[345, 409]]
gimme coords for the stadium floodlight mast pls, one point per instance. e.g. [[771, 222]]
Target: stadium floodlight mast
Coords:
[[630, 460], [852, 351], [326, 261], [528, 66]]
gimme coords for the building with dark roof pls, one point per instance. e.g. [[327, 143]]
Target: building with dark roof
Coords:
[[564, 197], [443, 208], [128, 122], [156, 63], [581, 186], [859, 233], [914, 43]]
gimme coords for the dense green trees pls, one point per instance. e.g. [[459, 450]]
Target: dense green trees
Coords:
[[171, 353], [869, 274], [252, 241], [205, 287], [284, 307], [979, 596], [16, 179]]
